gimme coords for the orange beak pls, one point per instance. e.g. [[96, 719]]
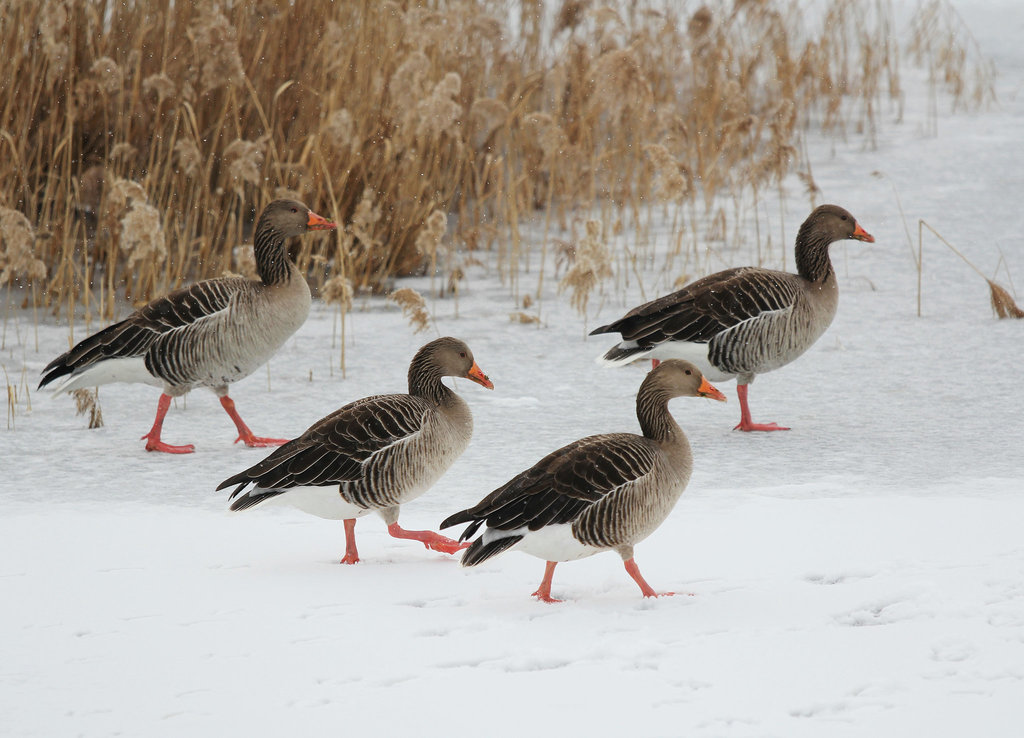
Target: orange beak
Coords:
[[707, 389], [478, 376], [861, 235], [319, 223]]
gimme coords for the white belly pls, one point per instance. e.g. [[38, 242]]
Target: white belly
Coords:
[[132, 369], [324, 502], [551, 543]]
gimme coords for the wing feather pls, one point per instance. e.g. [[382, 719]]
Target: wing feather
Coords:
[[334, 449], [137, 333], [707, 307], [562, 485]]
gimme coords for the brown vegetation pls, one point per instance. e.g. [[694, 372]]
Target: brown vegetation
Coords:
[[139, 140]]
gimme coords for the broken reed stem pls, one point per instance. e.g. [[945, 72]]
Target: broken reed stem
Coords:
[[1002, 302]]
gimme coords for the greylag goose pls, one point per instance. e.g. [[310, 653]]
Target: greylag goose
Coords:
[[746, 321], [210, 334], [374, 454], [606, 492]]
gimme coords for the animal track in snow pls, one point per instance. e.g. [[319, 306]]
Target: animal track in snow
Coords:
[[879, 612], [838, 578]]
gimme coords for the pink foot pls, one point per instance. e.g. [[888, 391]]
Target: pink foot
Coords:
[[257, 442], [351, 552], [741, 426], [645, 589], [155, 444], [543, 592], [746, 424], [430, 539], [445, 545], [544, 596]]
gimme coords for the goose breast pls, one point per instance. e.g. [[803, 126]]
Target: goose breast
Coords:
[[229, 344]]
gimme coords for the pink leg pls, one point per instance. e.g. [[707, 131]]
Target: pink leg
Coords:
[[244, 434], [433, 541], [543, 592], [654, 363], [746, 424], [351, 554], [153, 442], [648, 591]]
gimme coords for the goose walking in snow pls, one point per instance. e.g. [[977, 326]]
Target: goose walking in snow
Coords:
[[606, 492], [210, 334], [746, 321], [374, 454]]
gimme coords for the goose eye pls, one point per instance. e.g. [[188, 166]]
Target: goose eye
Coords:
[[688, 372], [295, 210], [843, 217], [462, 354]]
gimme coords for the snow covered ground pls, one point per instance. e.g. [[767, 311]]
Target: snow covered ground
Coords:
[[860, 575]]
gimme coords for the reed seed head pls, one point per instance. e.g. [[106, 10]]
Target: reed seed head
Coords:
[[1002, 302], [215, 42], [160, 85], [245, 163], [108, 74], [142, 237], [17, 255], [338, 291], [430, 235], [413, 308], [590, 266], [87, 401]]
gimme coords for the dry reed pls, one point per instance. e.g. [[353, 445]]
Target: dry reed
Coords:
[[591, 264], [338, 291], [1002, 302], [413, 308], [87, 401], [145, 137]]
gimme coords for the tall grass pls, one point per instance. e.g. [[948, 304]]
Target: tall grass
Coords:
[[139, 140]]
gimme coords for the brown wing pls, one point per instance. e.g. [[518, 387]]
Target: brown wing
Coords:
[[137, 333], [703, 309], [562, 485], [333, 450]]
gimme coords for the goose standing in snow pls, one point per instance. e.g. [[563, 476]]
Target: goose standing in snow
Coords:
[[606, 492], [374, 454], [210, 334], [746, 321]]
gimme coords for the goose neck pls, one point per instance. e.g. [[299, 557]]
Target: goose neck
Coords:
[[812, 260], [656, 421], [272, 262], [425, 381]]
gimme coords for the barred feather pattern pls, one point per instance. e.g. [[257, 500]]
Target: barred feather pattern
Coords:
[[380, 451], [753, 320], [614, 489], [211, 333], [404, 470], [225, 346], [775, 337]]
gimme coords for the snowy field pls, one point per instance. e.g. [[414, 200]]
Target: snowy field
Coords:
[[860, 575]]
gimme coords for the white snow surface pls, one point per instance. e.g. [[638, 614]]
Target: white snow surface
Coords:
[[860, 575]]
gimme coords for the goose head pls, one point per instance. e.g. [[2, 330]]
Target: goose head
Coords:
[[679, 378], [829, 223], [450, 357], [290, 218]]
